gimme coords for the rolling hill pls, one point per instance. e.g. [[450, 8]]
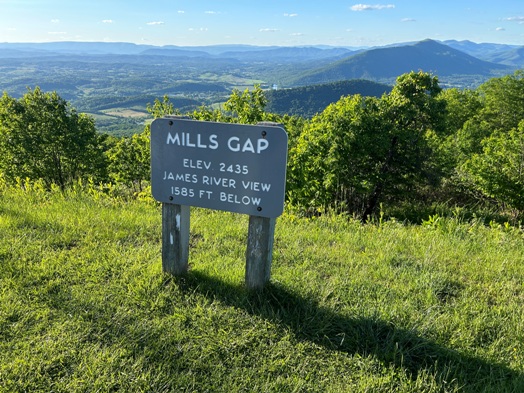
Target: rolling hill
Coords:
[[309, 100]]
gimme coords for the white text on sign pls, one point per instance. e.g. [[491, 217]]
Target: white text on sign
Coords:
[[234, 143]]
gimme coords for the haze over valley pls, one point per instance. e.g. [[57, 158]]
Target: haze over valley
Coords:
[[115, 81]]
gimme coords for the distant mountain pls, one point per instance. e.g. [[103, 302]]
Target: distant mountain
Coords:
[[495, 53], [514, 57], [261, 54], [288, 54], [240, 52], [310, 100], [8, 53], [174, 52], [77, 47], [218, 50], [390, 62]]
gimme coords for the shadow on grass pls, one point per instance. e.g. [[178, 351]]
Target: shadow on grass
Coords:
[[365, 336]]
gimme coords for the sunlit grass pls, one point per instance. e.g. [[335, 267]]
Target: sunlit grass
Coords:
[[85, 307]]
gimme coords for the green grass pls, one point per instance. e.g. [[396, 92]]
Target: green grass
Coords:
[[384, 307]]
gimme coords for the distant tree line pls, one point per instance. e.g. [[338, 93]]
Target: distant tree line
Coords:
[[404, 151]]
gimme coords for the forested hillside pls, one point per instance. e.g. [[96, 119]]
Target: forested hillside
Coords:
[[309, 100]]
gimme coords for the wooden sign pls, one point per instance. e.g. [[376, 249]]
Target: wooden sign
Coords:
[[223, 166]]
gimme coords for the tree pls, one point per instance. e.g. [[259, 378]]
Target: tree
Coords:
[[360, 151], [478, 122], [42, 137], [247, 107], [334, 162], [162, 108], [413, 114], [498, 172], [129, 160], [504, 101]]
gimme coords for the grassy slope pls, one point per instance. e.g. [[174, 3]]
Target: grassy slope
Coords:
[[84, 306]]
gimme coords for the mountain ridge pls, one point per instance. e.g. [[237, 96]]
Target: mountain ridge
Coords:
[[390, 62]]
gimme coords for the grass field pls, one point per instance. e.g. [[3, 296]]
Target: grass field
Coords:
[[383, 307]]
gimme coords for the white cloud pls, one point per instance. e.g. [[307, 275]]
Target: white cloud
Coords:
[[291, 15], [181, 12], [368, 7], [500, 29], [297, 34], [200, 29], [55, 20], [408, 20], [519, 19], [107, 21], [155, 23], [268, 30]]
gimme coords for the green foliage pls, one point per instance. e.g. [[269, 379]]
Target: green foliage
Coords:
[[162, 108], [498, 171], [461, 106], [247, 107], [416, 145], [504, 101], [42, 137], [129, 160], [360, 151], [337, 154], [479, 155]]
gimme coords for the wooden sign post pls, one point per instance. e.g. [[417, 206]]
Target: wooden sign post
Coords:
[[223, 166], [175, 238], [259, 252]]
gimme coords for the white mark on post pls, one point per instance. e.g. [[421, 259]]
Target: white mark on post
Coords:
[[178, 222], [171, 239]]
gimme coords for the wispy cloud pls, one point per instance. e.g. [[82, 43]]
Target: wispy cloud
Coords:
[[198, 29], [408, 20], [500, 29], [297, 34], [519, 19], [107, 21], [369, 7], [57, 32], [55, 21], [291, 15], [156, 23], [181, 12], [212, 12], [269, 30]]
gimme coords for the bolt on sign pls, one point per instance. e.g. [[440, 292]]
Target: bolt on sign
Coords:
[[232, 167]]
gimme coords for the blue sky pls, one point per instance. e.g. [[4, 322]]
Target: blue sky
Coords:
[[267, 22]]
